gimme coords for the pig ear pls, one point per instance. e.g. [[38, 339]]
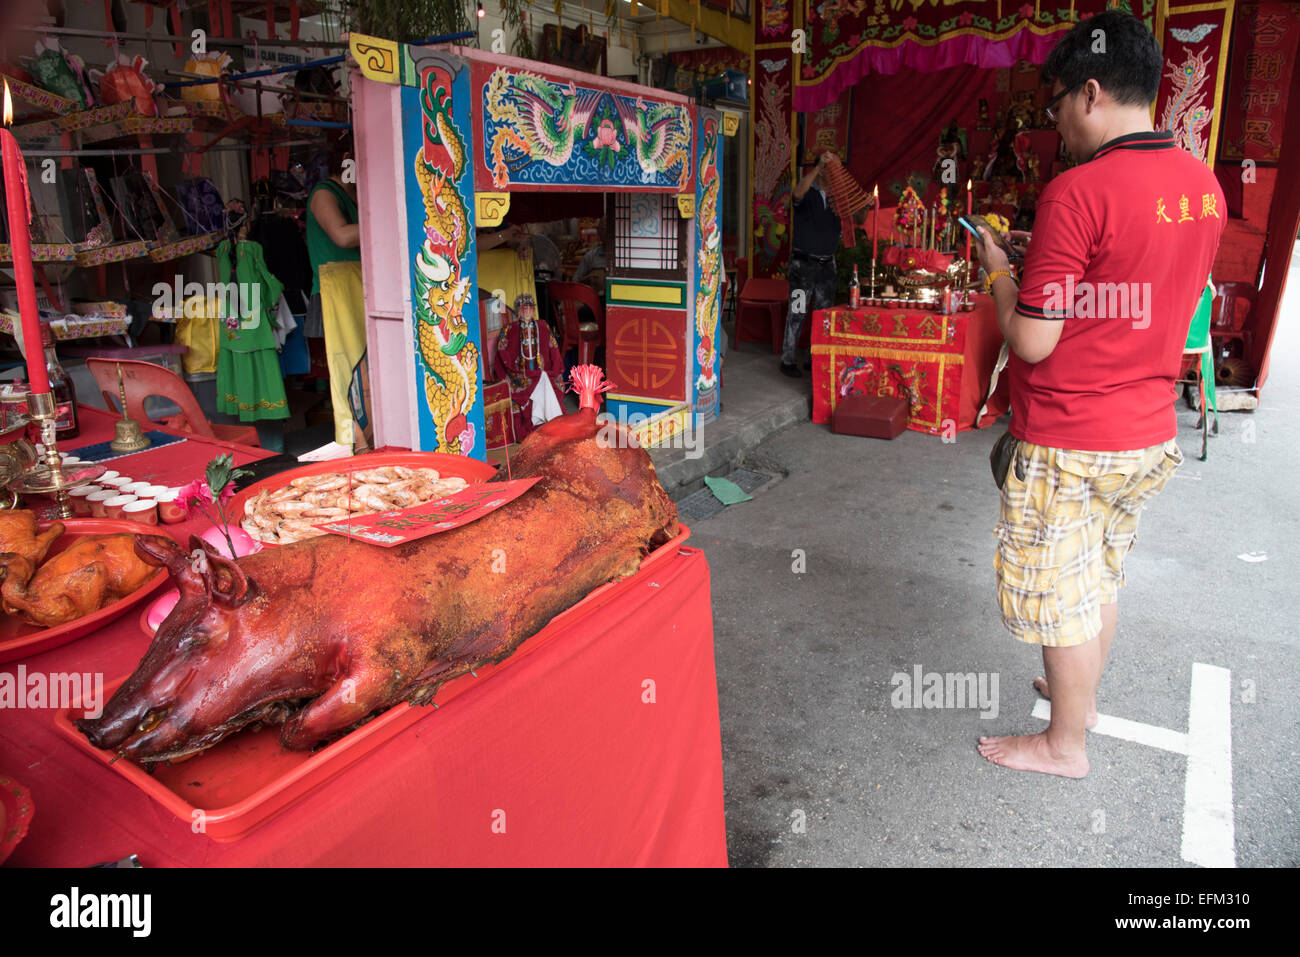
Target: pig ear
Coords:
[[229, 583], [226, 581], [163, 552]]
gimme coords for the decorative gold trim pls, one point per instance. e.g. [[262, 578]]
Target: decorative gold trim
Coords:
[[730, 123], [686, 205], [491, 208], [377, 58]]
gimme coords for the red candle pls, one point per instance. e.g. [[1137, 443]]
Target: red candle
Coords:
[[968, 212], [875, 221], [21, 247]]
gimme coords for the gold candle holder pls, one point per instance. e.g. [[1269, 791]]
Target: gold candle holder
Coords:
[[47, 476]]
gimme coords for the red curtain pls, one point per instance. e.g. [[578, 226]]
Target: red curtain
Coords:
[[897, 121]]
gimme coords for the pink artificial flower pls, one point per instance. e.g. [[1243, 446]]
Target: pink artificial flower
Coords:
[[194, 494], [227, 493]]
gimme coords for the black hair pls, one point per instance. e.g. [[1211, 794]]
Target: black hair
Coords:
[[1129, 63], [339, 150]]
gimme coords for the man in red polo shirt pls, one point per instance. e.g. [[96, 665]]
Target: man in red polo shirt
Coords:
[[1121, 248]]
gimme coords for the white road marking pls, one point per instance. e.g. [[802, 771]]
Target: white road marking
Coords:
[[1253, 557], [1209, 836], [1209, 830], [1136, 731]]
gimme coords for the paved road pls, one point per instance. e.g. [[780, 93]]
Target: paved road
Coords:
[[822, 770]]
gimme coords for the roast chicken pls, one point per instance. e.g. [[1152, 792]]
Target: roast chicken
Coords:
[[323, 634], [95, 571], [18, 536]]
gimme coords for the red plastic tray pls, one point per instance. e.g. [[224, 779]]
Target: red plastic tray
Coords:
[[248, 779], [18, 639], [460, 466]]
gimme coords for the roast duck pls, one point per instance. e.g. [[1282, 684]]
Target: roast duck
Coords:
[[94, 571], [320, 635]]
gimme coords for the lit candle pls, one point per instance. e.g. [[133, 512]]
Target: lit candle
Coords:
[[20, 246], [968, 212]]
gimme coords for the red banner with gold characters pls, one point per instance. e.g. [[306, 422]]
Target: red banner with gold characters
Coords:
[[1265, 44], [1195, 47]]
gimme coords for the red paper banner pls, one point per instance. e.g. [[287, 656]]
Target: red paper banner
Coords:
[[1265, 43], [408, 524]]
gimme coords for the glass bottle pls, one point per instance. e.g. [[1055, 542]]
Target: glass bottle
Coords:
[[855, 290], [65, 393]]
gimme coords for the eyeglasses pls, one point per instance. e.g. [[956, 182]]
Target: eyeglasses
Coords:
[[1050, 108]]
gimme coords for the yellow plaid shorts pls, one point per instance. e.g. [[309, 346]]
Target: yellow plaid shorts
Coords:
[[1064, 532]]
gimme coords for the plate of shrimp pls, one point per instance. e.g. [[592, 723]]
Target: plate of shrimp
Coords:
[[286, 508]]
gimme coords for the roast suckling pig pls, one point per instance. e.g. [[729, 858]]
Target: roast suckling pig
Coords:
[[323, 634]]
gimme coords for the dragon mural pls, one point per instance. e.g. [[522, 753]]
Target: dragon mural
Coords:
[[543, 131], [708, 261], [1187, 114], [450, 361]]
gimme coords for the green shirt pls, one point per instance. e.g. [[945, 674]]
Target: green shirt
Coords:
[[320, 247]]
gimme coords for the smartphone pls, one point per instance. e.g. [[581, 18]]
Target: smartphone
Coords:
[[972, 225]]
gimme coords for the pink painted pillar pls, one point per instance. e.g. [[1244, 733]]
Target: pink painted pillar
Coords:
[[385, 259]]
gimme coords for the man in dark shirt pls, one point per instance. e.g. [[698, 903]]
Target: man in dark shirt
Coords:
[[812, 259]]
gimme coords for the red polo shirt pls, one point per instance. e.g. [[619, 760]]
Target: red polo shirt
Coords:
[[1122, 246]]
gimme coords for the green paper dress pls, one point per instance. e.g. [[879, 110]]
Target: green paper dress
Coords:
[[249, 381]]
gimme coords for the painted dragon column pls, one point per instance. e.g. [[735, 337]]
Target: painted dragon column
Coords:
[[415, 190]]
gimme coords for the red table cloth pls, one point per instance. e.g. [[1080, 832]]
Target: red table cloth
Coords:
[[601, 747], [947, 362]]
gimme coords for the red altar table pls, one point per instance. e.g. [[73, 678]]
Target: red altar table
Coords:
[[600, 747], [947, 361]]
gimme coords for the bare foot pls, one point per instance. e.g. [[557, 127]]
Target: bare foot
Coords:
[[1089, 721], [1031, 752]]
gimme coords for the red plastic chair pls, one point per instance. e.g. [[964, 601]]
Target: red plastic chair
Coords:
[[143, 379], [762, 305], [1234, 306], [586, 337]]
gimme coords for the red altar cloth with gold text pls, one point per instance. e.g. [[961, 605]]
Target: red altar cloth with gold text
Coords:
[[947, 362]]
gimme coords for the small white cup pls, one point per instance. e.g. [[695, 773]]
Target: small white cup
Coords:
[[110, 474], [134, 488], [143, 510], [78, 498], [113, 506], [153, 491], [118, 481], [97, 499]]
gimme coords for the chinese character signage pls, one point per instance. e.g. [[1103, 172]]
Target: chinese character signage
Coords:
[[1254, 110]]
